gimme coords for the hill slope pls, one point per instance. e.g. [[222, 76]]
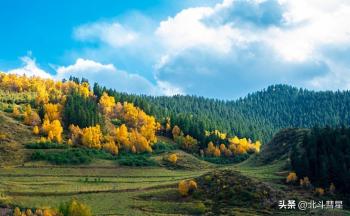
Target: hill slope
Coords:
[[13, 135], [259, 115]]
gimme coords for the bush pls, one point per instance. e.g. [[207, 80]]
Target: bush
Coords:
[[128, 159], [74, 156], [161, 147], [187, 187], [71, 156], [172, 158], [75, 208], [292, 177]]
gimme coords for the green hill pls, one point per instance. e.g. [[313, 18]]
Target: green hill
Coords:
[[258, 115]]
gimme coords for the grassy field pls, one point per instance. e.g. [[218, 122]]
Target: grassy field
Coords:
[[110, 190]]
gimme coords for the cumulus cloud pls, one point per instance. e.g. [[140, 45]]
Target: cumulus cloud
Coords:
[[239, 46], [113, 34], [30, 68], [108, 75]]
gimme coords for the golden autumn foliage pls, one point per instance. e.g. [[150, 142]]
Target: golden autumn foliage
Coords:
[[31, 117], [305, 182], [187, 187], [122, 136], [139, 129], [241, 146], [37, 212], [15, 112], [137, 119], [36, 130], [172, 158], [139, 142], [29, 212], [53, 130], [106, 104], [75, 208], [53, 111], [216, 133], [17, 212], [319, 191], [47, 90], [92, 137], [110, 146], [217, 152], [292, 177]]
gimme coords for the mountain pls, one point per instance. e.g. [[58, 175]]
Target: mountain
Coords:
[[258, 115]]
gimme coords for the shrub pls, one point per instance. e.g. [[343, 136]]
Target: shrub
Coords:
[[74, 156], [75, 208], [187, 187], [172, 158], [161, 147], [305, 182], [127, 159], [319, 191], [292, 177]]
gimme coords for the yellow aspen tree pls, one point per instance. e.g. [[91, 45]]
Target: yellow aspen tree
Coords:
[[122, 136], [30, 117], [17, 212], [36, 130], [15, 112], [172, 158], [222, 148], [183, 188], [217, 152], [106, 103], [110, 146], [50, 136], [292, 177], [53, 111], [92, 136]]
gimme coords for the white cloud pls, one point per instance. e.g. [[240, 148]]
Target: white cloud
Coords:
[[187, 29], [30, 69], [169, 89], [113, 34], [309, 25], [107, 75]]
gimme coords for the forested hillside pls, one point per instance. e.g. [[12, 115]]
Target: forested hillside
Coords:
[[258, 115]]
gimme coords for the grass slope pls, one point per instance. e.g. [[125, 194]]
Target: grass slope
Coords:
[[13, 136]]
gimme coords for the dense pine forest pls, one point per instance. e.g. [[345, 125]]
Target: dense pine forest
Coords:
[[258, 115]]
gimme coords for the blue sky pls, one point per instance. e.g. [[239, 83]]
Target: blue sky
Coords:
[[220, 49]]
